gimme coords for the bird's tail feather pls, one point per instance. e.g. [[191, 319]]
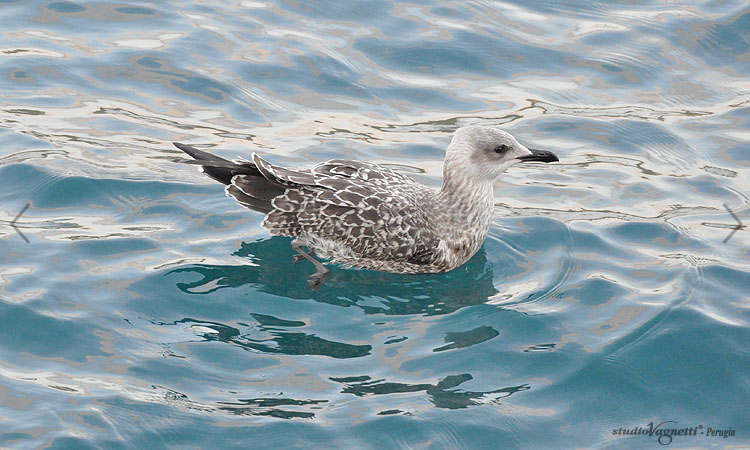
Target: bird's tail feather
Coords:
[[250, 189], [220, 169], [199, 155]]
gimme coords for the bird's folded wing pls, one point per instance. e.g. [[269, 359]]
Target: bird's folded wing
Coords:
[[283, 176]]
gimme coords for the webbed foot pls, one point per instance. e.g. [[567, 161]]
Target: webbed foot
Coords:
[[317, 279]]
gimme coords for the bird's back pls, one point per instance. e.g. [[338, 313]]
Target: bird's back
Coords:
[[357, 213]]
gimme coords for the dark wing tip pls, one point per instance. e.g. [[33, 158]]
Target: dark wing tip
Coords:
[[184, 147], [200, 155]]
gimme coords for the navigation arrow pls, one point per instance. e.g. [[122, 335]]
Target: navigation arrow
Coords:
[[734, 228], [13, 223]]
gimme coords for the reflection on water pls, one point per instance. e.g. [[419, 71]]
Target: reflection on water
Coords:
[[273, 272], [443, 394], [269, 407], [275, 340], [467, 338]]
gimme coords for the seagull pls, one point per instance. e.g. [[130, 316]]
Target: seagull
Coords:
[[363, 215]]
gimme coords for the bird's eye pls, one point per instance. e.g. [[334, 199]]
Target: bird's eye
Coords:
[[502, 148]]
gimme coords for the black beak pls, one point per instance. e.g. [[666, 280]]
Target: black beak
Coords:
[[539, 155]]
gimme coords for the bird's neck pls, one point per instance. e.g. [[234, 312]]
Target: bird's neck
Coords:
[[467, 203], [466, 207]]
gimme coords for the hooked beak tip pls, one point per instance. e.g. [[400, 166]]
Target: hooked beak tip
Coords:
[[540, 156]]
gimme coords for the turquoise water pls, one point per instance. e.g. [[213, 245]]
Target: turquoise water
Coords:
[[148, 310]]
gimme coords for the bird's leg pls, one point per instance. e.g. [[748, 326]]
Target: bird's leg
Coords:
[[297, 258], [318, 278]]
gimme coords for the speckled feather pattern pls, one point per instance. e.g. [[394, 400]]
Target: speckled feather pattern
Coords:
[[363, 215], [357, 214]]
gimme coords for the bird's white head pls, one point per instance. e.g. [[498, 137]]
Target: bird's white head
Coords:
[[483, 153]]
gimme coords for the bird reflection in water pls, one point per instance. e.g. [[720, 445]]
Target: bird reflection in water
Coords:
[[430, 294], [427, 294]]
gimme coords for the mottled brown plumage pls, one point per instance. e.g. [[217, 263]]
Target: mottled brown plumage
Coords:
[[363, 215]]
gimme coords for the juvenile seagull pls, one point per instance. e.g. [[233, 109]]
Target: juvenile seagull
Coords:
[[359, 214]]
